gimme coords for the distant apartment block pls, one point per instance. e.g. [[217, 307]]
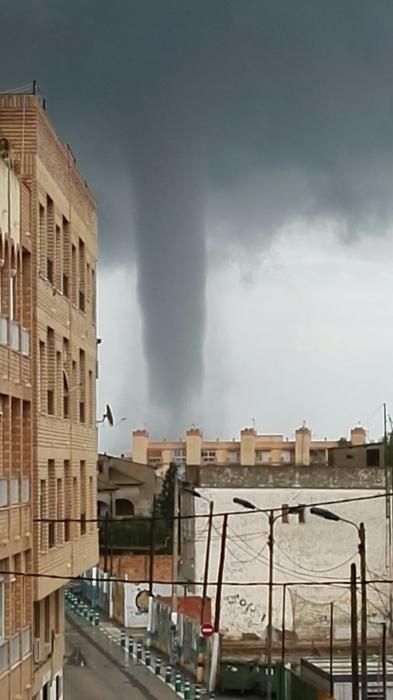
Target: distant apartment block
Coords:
[[48, 377], [252, 448]]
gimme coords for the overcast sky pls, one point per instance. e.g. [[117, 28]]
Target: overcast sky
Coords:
[[241, 155]]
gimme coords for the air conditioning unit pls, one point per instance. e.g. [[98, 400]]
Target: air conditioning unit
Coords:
[[37, 650]]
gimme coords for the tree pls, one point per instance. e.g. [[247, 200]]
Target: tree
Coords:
[[165, 505]]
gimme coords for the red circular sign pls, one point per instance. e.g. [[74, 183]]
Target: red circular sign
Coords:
[[207, 629]]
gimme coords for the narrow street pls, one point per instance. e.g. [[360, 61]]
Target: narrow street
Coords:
[[92, 669]]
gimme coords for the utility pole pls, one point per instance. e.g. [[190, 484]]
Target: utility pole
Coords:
[[105, 537], [220, 576], [269, 634], [383, 659], [175, 542], [284, 591], [152, 547], [354, 636], [331, 649], [207, 561], [363, 591]]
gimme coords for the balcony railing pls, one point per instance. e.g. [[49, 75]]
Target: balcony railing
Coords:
[[14, 335], [25, 490], [3, 331], [25, 341], [3, 493], [4, 660], [26, 642], [15, 649], [14, 491]]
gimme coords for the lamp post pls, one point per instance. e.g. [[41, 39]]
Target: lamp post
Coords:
[[360, 529], [196, 494], [202, 653], [272, 519]]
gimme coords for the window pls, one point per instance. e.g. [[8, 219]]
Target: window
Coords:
[[66, 258], [58, 258], [37, 620], [52, 502], [286, 457], [57, 611], [82, 385], [264, 456], [234, 457], [372, 457], [50, 240], [42, 225], [44, 514], [82, 486], [2, 604], [91, 398], [124, 507], [179, 456], [47, 618], [93, 296], [51, 371], [208, 456], [74, 276], [82, 275], [12, 295], [42, 374]]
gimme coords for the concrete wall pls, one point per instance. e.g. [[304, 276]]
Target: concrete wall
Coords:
[[304, 552]]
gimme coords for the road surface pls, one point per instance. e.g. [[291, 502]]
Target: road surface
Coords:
[[95, 670]]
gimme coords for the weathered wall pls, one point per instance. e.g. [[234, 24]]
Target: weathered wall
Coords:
[[136, 566], [288, 476], [304, 552]]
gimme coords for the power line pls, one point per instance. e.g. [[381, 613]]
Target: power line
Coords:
[[188, 582], [195, 516]]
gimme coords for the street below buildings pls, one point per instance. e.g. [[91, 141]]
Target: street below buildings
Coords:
[[95, 668]]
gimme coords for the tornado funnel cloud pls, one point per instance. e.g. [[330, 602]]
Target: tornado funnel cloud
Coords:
[[171, 263]]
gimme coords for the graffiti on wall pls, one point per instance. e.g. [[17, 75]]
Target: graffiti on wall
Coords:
[[253, 614]]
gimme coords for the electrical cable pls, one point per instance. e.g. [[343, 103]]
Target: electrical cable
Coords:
[[278, 509], [189, 582]]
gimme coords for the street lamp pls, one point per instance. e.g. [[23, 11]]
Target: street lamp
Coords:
[[202, 654], [196, 494], [360, 529], [272, 520]]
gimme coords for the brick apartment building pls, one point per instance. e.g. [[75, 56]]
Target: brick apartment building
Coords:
[[51, 430]]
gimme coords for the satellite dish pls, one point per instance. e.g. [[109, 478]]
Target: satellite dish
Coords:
[[109, 415]]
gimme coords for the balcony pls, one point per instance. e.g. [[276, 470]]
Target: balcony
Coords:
[[14, 335], [15, 649], [3, 493], [26, 642], [4, 660], [3, 331], [25, 341]]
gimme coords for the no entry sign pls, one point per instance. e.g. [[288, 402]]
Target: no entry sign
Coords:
[[207, 630]]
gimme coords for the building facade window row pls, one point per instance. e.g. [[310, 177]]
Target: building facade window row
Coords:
[[64, 260], [66, 382]]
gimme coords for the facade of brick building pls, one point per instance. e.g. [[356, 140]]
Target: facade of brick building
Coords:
[[62, 237], [16, 444]]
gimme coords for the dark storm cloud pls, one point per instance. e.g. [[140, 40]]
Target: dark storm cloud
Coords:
[[244, 112]]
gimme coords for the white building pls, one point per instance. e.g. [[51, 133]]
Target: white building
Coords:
[[306, 552]]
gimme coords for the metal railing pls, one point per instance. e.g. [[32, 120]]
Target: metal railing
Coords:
[[3, 331], [14, 335], [25, 341], [26, 642], [3, 493], [4, 660], [15, 649], [14, 491], [25, 489]]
